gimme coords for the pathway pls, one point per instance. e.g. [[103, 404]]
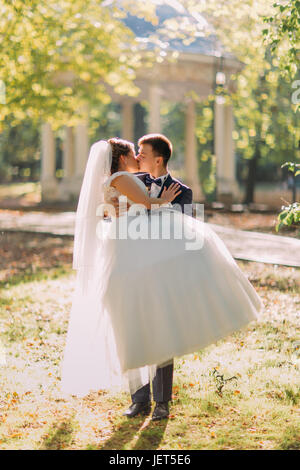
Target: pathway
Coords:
[[242, 244]]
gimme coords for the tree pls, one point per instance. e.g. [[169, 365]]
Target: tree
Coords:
[[55, 56], [19, 148], [283, 34], [266, 127]]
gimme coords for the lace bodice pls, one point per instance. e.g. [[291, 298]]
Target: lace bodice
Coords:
[[111, 192]]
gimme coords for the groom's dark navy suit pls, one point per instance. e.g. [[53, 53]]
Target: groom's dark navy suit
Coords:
[[163, 380], [185, 198]]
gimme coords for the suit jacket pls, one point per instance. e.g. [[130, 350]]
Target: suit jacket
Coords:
[[183, 201]]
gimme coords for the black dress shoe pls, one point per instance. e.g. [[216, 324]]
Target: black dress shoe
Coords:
[[161, 411], [138, 408]]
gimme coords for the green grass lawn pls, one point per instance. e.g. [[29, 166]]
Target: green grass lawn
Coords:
[[16, 190], [241, 393]]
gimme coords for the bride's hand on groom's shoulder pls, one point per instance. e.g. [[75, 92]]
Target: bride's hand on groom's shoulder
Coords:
[[168, 195]]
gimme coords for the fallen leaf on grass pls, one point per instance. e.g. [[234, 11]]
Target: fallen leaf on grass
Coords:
[[16, 434]]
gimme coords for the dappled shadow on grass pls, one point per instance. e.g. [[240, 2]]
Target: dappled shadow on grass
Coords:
[[59, 436], [150, 434], [37, 275], [26, 257], [288, 285], [272, 276], [290, 439]]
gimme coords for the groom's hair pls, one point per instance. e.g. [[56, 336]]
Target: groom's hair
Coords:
[[160, 144]]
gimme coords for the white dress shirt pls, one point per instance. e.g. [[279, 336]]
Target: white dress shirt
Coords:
[[155, 188]]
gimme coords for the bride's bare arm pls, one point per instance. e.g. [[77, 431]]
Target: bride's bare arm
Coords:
[[127, 186]]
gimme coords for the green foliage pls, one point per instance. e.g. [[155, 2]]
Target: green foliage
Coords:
[[55, 55], [290, 215], [266, 120], [105, 122], [265, 117], [19, 149], [173, 117], [292, 166], [283, 34]]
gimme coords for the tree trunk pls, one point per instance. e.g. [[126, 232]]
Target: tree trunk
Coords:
[[251, 179]]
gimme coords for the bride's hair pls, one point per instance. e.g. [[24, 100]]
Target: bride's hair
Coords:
[[119, 147]]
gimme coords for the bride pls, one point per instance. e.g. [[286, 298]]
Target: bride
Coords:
[[151, 284]]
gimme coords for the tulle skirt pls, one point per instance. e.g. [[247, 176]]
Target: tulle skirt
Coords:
[[165, 285]]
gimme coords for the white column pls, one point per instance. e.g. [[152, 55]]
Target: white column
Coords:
[[65, 186], [68, 153], [191, 163], [227, 186], [48, 164], [219, 138], [81, 149], [229, 167], [127, 120], [154, 108]]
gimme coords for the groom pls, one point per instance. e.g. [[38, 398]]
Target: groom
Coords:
[[155, 151]]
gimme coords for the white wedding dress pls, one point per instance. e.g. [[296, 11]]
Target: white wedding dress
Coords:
[[165, 300], [150, 300]]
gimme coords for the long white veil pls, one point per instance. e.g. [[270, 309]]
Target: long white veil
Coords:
[[90, 358], [91, 195]]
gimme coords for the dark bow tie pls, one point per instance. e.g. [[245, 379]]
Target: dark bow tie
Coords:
[[149, 180]]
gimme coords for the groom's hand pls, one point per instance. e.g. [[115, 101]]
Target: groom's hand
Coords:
[[116, 204]]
